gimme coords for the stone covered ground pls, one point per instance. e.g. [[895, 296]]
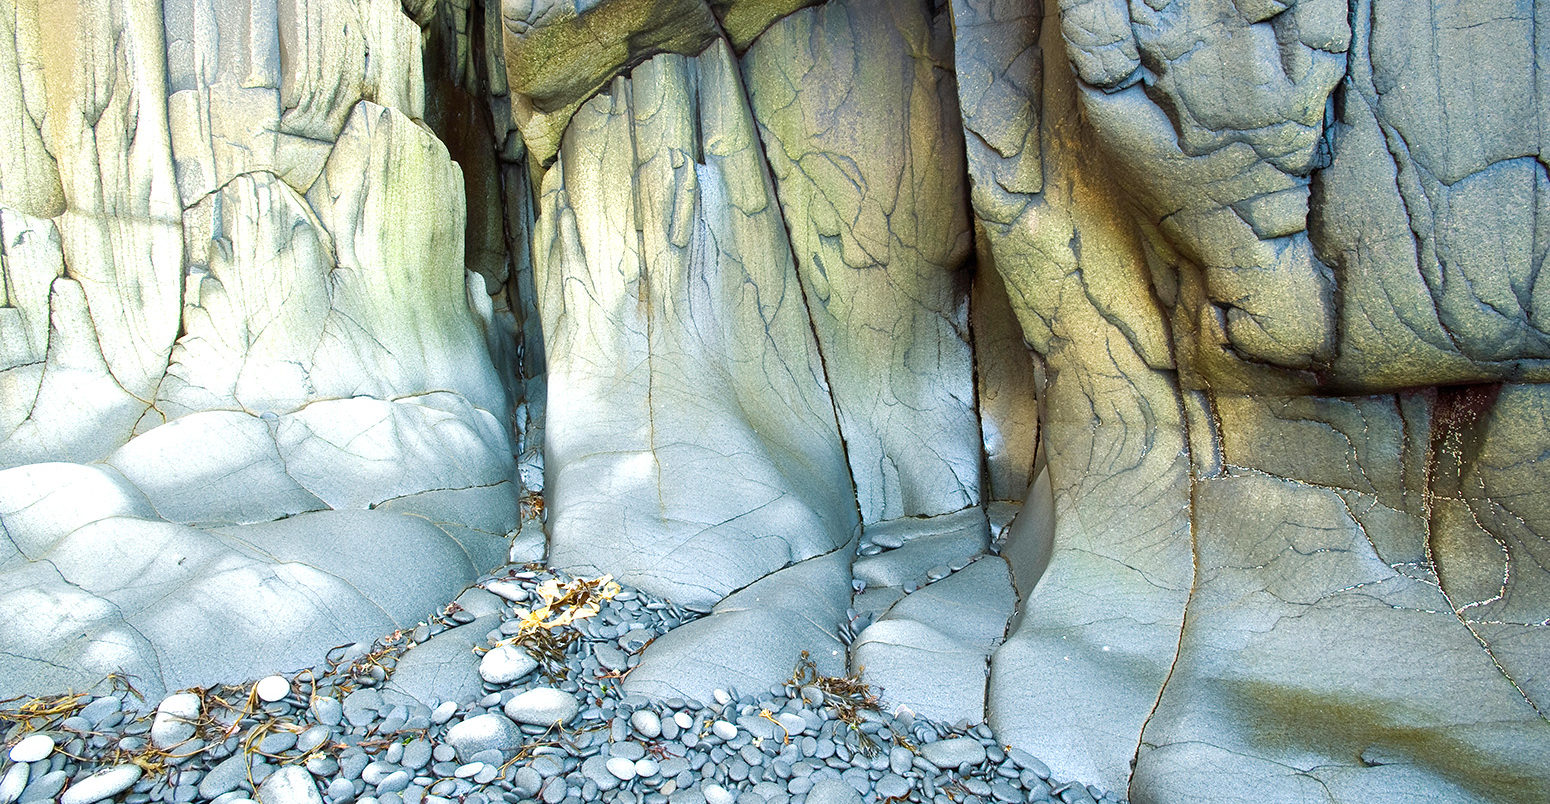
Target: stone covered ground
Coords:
[[382, 723]]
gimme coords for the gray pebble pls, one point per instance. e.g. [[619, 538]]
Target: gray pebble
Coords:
[[595, 769], [14, 782], [172, 724], [100, 708], [46, 786], [482, 733], [327, 710], [953, 753], [394, 782], [417, 754], [833, 791], [32, 748], [543, 706], [646, 723], [105, 783], [622, 769], [526, 782], [505, 664]]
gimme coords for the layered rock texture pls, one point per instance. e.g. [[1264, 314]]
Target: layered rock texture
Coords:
[[1158, 381]]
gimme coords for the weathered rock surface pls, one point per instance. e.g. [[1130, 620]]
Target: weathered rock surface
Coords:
[[680, 356], [1236, 306], [235, 298], [857, 117]]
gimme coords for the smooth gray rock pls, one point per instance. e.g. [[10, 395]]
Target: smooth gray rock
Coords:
[[32, 748], [483, 733], [754, 638], [543, 706], [290, 784], [505, 664], [833, 791], [103, 784], [174, 721], [919, 667], [14, 783], [444, 668], [954, 752]]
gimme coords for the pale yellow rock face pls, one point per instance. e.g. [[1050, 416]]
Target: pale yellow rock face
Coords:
[[680, 356], [871, 185], [232, 283]]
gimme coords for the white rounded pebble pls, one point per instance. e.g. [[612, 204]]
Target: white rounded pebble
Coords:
[[716, 794], [272, 688], [724, 730], [621, 768], [32, 748], [103, 784], [504, 664], [646, 768], [443, 712], [683, 720]]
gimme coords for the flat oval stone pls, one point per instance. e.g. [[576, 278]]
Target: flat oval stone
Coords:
[[483, 732], [724, 730], [291, 784], [171, 726], [646, 723], [833, 791], [716, 794], [272, 688], [32, 748], [622, 769], [108, 783], [505, 664], [954, 752], [543, 706], [14, 782]]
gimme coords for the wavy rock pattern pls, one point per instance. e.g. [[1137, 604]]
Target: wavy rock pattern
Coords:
[[1158, 381]]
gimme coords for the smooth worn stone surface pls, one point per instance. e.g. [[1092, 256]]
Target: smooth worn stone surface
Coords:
[[504, 664], [290, 785], [953, 752], [312, 312], [174, 722], [482, 733], [32, 748], [102, 784], [542, 706]]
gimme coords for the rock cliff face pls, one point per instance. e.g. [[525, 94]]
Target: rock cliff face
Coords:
[[1159, 381]]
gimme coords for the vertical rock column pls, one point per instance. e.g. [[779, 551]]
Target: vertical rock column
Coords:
[[855, 103], [1095, 639], [691, 447], [94, 175]]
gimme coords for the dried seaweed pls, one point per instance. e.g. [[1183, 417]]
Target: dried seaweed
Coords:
[[847, 695], [547, 631]]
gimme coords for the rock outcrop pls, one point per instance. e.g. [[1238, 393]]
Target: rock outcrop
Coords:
[[1159, 382]]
